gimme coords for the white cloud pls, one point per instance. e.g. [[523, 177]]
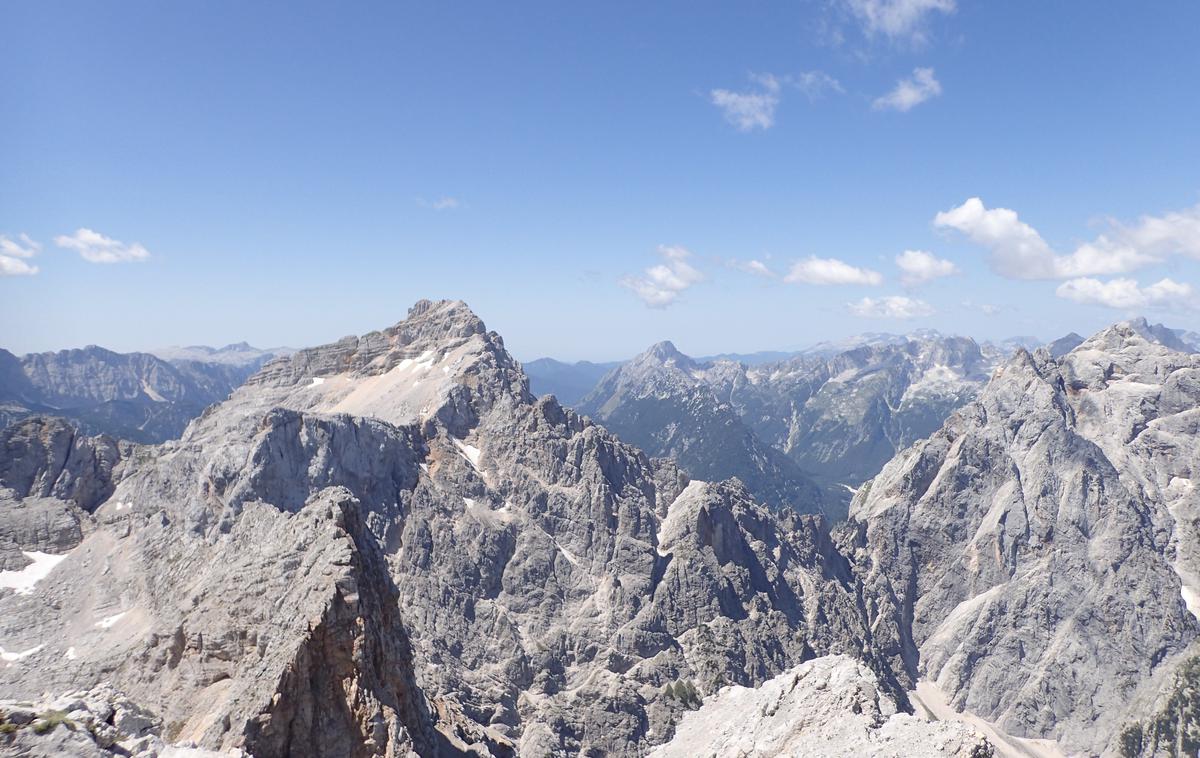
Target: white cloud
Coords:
[[892, 306], [94, 247], [660, 285], [816, 270], [14, 255], [755, 107], [750, 110], [1019, 252], [911, 92], [919, 266], [815, 83], [899, 20], [753, 267], [986, 308], [440, 204], [1126, 294]]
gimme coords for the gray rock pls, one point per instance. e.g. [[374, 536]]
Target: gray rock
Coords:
[[134, 396], [662, 402], [1033, 557], [388, 545]]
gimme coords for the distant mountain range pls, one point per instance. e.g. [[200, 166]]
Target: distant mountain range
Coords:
[[837, 411], [134, 396], [237, 354], [455, 566]]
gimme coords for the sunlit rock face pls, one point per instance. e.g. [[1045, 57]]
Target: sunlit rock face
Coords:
[[388, 545], [1036, 558]]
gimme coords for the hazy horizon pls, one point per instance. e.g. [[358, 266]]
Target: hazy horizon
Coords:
[[592, 180]]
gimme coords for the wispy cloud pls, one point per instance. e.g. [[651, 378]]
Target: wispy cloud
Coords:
[[1125, 294], [444, 203], [753, 109], [814, 270], [920, 266], [756, 267], [910, 92], [814, 84], [1018, 251], [15, 254], [987, 308], [892, 306], [659, 286], [94, 247], [899, 20]]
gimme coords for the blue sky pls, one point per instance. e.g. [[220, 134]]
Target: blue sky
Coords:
[[592, 179]]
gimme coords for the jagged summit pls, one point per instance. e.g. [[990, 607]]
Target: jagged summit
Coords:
[[386, 541], [438, 320], [1042, 544], [407, 373]]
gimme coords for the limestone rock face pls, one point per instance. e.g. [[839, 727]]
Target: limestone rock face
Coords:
[[662, 402], [388, 546], [134, 396], [841, 418], [1037, 556], [805, 430], [831, 707], [51, 479]]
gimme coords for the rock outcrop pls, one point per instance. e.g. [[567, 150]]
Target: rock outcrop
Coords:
[[1037, 557], [387, 545], [831, 707], [662, 402], [51, 479]]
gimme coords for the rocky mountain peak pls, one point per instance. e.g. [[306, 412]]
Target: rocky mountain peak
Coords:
[[665, 353], [438, 321], [1137, 335]]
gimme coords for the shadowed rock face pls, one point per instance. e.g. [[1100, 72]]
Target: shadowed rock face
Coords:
[[1034, 556], [51, 479], [387, 545]]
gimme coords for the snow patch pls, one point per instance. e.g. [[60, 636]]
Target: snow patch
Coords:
[[70, 654], [470, 452], [13, 657], [109, 621], [1191, 599], [24, 580], [317, 381]]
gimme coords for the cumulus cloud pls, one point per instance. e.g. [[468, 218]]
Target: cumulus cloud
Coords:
[[1125, 294], [659, 286], [910, 92], [750, 110], [94, 247], [15, 254], [1019, 252], [814, 270], [920, 266], [440, 204], [898, 20], [753, 267], [892, 306]]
